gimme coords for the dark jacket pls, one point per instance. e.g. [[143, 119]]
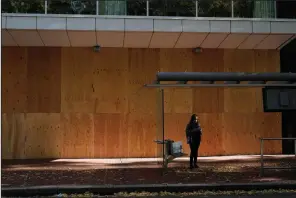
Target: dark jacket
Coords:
[[193, 132]]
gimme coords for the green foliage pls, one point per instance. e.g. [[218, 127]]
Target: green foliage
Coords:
[[22, 6]]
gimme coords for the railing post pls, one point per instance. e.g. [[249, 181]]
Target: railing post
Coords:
[[147, 7], [295, 147], [97, 7], [45, 7], [261, 156], [196, 8], [232, 9], [275, 11]]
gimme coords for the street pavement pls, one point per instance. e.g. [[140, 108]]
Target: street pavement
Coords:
[[286, 195]]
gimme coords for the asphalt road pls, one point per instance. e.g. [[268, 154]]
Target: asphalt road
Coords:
[[276, 195], [287, 195]]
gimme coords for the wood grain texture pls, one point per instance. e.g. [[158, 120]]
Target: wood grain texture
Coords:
[[75, 103], [44, 80], [14, 80]]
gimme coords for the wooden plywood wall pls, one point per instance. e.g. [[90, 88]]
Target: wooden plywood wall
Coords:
[[75, 103]]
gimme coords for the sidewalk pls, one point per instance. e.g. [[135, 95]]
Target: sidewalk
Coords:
[[213, 170], [105, 176]]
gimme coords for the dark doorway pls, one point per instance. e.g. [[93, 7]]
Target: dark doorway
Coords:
[[288, 64]]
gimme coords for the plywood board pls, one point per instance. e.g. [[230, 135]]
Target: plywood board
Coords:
[[13, 143], [251, 126], [42, 136], [141, 134], [78, 135], [44, 80], [208, 100], [178, 60], [110, 135], [14, 80], [77, 88], [31, 136], [77, 103], [109, 81], [143, 64]]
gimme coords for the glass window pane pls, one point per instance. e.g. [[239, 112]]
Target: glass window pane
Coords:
[[214, 8], [112, 7], [136, 7], [286, 9], [243, 8], [157, 7], [264, 9], [72, 7], [172, 8], [32, 6]]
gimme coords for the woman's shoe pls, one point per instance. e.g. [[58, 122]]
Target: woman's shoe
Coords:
[[191, 167], [196, 166]]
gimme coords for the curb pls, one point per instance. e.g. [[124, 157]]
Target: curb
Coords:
[[111, 189]]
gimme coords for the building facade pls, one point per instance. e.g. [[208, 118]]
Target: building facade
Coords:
[[73, 75]]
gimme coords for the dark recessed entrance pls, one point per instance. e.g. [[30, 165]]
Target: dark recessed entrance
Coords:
[[288, 64]]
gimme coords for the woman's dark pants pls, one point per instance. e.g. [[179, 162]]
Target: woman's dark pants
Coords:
[[194, 146]]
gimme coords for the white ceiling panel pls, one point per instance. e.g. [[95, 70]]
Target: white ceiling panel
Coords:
[[24, 23], [232, 41], [81, 24], [109, 24], [164, 39], [167, 25], [51, 23], [82, 38], [252, 41], [139, 25], [190, 40], [55, 38], [26, 37], [110, 39], [273, 41], [3, 23], [213, 40], [196, 26], [7, 39], [137, 39], [220, 26]]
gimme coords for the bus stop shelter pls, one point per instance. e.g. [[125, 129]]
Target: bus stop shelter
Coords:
[[274, 80]]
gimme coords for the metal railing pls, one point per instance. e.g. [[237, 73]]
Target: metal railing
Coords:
[[182, 8], [262, 151]]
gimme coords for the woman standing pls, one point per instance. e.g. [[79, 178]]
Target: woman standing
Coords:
[[193, 134]]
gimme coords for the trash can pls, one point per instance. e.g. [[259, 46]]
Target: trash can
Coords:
[[169, 145]]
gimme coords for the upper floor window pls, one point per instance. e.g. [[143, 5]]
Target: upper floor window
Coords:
[[182, 8]]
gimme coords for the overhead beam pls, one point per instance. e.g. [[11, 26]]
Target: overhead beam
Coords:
[[216, 85], [224, 76]]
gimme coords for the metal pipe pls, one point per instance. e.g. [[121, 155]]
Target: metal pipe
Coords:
[[295, 147], [216, 85], [162, 125], [97, 7], [282, 168], [147, 7], [45, 7], [224, 76], [278, 138], [232, 9], [261, 157], [196, 8], [275, 9]]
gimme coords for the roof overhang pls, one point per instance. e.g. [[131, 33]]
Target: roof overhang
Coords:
[[223, 79], [145, 32]]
